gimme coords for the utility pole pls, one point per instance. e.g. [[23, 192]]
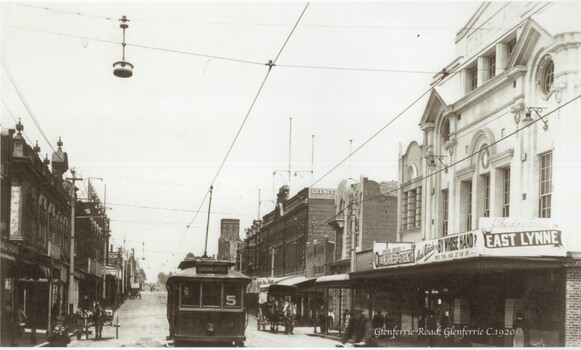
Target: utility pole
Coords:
[[105, 243], [290, 134], [72, 248], [272, 251], [312, 160]]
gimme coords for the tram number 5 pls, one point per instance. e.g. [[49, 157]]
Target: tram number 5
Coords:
[[231, 300]]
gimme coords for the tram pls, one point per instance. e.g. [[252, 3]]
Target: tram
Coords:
[[205, 303]]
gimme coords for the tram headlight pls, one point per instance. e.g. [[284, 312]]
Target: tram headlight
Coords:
[[210, 327]]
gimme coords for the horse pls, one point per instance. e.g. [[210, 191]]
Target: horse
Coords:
[[99, 317], [289, 314], [270, 313]]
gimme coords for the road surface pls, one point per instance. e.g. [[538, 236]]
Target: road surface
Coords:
[[144, 324]]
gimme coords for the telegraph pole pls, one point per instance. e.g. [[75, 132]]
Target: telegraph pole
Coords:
[[105, 243], [72, 248]]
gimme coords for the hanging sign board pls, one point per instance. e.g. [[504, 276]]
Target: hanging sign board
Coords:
[[456, 246], [521, 237], [392, 254]]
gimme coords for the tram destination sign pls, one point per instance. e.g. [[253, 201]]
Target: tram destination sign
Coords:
[[212, 269]]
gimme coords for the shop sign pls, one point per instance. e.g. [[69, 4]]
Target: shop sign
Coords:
[[15, 213], [392, 254], [324, 193], [521, 237], [54, 251], [457, 246]]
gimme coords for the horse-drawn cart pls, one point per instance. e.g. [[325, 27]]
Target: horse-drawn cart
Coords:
[[271, 308], [135, 291]]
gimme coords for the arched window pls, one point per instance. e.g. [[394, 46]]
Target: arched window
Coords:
[[546, 74], [445, 130], [411, 172]]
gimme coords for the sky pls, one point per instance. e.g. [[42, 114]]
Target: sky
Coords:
[[202, 107]]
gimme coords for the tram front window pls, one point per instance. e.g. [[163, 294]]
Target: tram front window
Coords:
[[211, 294], [190, 293]]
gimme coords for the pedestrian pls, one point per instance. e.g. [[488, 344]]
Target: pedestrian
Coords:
[[378, 320], [9, 323], [432, 329], [59, 336], [85, 303], [445, 324], [389, 323], [518, 340], [322, 317], [98, 320], [56, 309], [330, 320], [359, 329], [21, 320]]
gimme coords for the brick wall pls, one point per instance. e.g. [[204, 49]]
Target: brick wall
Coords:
[[379, 216], [321, 211], [573, 306]]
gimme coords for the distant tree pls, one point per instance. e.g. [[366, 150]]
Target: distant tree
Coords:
[[162, 278], [142, 273]]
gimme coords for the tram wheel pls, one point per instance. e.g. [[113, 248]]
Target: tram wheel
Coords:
[[239, 344]]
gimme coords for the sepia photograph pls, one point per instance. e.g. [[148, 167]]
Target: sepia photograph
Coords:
[[288, 174]]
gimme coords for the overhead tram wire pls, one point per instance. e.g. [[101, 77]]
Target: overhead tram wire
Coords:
[[26, 106], [166, 209], [356, 69], [146, 20], [373, 136], [325, 222], [223, 58], [64, 12], [270, 65]]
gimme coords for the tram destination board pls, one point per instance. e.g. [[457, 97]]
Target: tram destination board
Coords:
[[212, 269]]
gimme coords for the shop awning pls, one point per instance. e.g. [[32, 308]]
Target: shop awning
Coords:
[[293, 281], [481, 264], [303, 283], [334, 281]]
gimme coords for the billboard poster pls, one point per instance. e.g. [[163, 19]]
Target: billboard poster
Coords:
[[521, 237], [392, 254], [456, 246]]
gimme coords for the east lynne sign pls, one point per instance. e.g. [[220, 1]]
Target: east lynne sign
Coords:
[[521, 237]]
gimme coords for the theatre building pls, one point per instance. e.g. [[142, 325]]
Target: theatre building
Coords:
[[498, 230]]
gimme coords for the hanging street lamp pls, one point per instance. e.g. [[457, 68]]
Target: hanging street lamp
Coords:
[[123, 69]]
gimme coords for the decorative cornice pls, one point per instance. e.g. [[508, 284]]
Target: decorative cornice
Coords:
[[487, 88], [502, 158], [465, 173]]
